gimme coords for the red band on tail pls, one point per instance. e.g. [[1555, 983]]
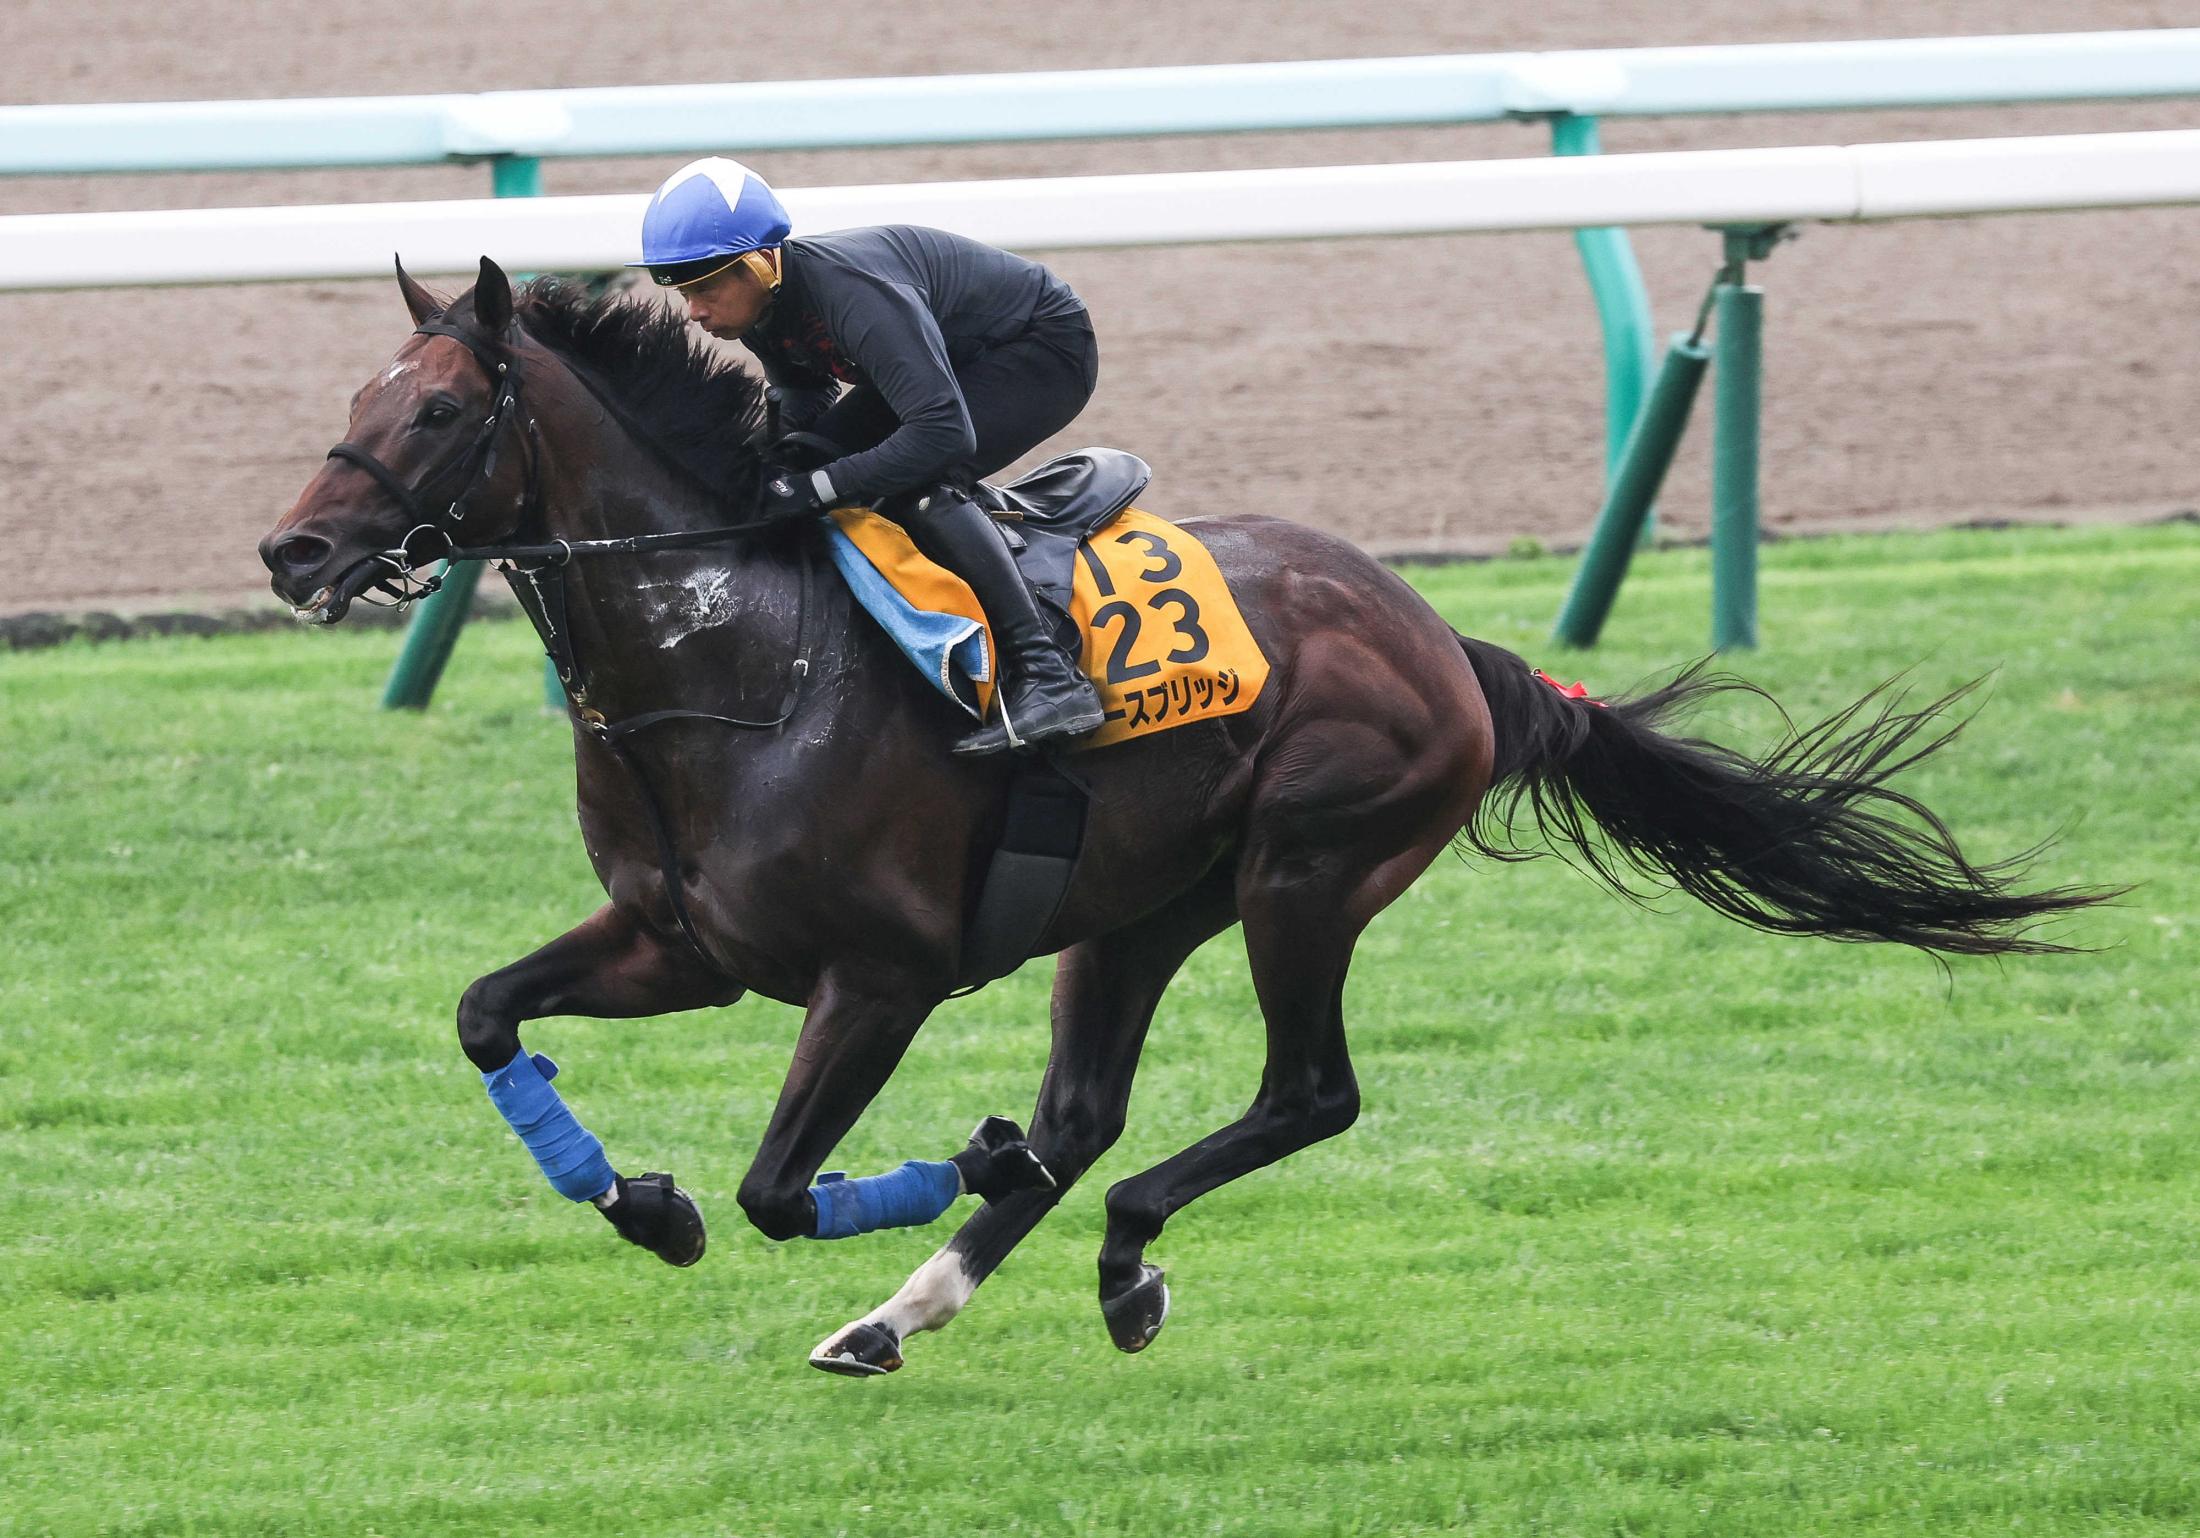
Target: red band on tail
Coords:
[[1573, 691]]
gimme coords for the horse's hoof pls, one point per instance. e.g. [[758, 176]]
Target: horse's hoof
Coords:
[[858, 1351], [998, 1162], [660, 1217], [1135, 1316]]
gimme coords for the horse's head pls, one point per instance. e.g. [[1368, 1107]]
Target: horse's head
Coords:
[[438, 444]]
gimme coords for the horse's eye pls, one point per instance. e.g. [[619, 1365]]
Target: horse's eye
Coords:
[[438, 414]]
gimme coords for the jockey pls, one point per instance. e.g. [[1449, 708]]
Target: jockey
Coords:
[[957, 358]]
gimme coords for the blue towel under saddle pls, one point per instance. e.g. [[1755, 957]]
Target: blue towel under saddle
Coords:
[[931, 613]]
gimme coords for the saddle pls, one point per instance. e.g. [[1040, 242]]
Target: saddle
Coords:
[[1071, 494]]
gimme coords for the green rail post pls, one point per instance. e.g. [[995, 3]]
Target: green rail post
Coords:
[[439, 617], [1737, 398], [1643, 461], [1623, 309], [1736, 430]]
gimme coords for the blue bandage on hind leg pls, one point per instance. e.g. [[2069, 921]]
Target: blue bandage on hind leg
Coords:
[[570, 1155], [915, 1194]]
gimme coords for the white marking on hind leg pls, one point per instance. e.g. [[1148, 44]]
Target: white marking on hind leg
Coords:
[[934, 1294]]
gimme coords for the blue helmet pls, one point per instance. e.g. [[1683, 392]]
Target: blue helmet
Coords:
[[706, 213]]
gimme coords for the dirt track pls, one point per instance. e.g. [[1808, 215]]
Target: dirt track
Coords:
[[1440, 391]]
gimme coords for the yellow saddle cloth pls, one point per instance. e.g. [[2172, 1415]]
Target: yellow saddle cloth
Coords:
[[1164, 642]]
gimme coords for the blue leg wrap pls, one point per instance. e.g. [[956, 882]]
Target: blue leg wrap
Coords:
[[915, 1194], [570, 1155]]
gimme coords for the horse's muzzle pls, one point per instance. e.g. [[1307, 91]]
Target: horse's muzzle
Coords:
[[300, 564]]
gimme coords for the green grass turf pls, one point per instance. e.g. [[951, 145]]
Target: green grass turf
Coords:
[[1651, 1225]]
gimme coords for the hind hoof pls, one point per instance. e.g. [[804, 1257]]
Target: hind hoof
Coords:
[[1135, 1316], [999, 1162], [859, 1351], [660, 1217]]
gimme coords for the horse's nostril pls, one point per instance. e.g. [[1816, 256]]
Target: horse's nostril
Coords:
[[299, 552]]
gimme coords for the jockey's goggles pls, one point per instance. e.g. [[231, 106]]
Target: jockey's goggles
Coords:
[[763, 265]]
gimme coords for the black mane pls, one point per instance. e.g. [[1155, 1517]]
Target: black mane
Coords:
[[666, 386]]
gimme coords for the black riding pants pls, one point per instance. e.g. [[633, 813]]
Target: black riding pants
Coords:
[[1019, 394]]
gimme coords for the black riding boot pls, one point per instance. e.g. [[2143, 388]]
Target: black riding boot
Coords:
[[1042, 695]]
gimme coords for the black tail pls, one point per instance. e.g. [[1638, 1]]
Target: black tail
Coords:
[[1808, 841]]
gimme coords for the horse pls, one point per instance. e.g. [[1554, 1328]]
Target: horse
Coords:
[[792, 823]]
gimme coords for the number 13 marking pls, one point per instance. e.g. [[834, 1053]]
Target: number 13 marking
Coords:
[[1195, 644], [1172, 565]]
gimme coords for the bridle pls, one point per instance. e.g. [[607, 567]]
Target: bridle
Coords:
[[475, 462], [537, 573]]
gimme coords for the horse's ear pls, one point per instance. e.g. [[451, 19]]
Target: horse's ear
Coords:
[[492, 299], [417, 299]]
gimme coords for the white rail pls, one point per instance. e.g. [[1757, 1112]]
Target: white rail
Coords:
[[1870, 181], [752, 117]]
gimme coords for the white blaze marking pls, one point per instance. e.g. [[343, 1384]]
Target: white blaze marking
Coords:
[[679, 609], [935, 1293], [397, 371]]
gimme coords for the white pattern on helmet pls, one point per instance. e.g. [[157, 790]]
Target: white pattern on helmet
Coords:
[[729, 176]]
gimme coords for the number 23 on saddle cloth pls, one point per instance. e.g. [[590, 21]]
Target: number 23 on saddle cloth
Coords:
[[1163, 640]]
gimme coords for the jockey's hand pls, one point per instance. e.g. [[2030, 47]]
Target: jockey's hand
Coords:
[[789, 494], [799, 451]]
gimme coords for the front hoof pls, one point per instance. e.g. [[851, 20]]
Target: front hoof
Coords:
[[660, 1217], [859, 1351], [1135, 1316]]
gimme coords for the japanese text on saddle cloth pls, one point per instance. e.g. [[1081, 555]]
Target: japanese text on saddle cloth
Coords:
[[1163, 640]]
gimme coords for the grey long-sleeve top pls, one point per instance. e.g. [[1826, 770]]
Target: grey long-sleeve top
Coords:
[[896, 309]]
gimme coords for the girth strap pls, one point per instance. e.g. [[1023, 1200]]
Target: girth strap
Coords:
[[1029, 873]]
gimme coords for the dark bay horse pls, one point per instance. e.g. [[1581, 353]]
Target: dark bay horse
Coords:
[[827, 859]]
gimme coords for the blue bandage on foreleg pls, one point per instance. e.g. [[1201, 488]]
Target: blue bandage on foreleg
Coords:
[[915, 1194], [570, 1155]]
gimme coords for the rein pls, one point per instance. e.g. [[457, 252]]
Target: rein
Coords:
[[525, 566]]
